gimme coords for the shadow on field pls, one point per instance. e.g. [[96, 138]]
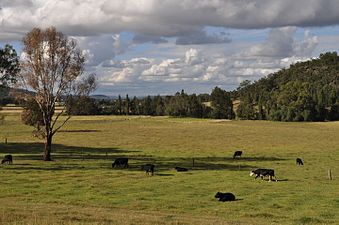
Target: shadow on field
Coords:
[[79, 131], [200, 163], [34, 151], [72, 157]]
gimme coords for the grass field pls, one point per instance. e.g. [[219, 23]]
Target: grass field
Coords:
[[80, 187]]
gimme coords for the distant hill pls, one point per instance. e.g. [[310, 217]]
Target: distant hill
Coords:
[[101, 97], [307, 91]]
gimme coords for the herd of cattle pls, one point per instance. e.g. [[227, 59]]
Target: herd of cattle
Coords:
[[149, 169]]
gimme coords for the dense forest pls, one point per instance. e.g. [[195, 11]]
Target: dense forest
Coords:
[[307, 91]]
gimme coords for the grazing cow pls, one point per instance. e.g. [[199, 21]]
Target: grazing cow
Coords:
[[8, 159], [237, 153], [181, 169], [263, 173], [148, 168], [224, 197], [120, 162], [299, 161]]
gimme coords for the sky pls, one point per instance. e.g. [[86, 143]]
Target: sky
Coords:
[[151, 47]]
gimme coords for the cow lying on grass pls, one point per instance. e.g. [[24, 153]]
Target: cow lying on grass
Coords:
[[263, 173], [7, 159], [299, 162], [120, 163], [148, 168], [224, 197], [237, 154], [181, 169]]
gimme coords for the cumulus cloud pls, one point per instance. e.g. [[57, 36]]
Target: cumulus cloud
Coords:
[[282, 43], [98, 49], [183, 29], [280, 49], [158, 18]]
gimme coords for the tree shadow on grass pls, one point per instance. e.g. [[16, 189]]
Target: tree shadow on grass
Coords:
[[34, 151], [79, 131], [72, 157], [199, 163], [252, 159]]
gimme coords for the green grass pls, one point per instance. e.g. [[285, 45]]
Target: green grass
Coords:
[[79, 186]]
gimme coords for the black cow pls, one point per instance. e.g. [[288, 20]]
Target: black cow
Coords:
[[148, 168], [120, 162], [299, 161], [263, 173], [181, 169], [237, 153], [224, 197], [8, 159]]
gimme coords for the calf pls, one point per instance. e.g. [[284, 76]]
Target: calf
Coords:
[[181, 169], [223, 197], [299, 161], [263, 173], [120, 162], [148, 168], [237, 153], [8, 159]]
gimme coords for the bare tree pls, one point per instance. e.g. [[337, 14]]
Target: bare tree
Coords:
[[50, 70]]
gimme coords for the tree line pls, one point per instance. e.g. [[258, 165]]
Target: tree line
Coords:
[[217, 105]]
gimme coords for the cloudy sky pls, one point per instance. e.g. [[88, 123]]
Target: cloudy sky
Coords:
[[141, 47]]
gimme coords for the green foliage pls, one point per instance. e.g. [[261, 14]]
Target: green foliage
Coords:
[[81, 105], [222, 104], [307, 91], [9, 65], [2, 118], [33, 116]]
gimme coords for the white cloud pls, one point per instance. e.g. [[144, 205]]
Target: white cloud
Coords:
[[282, 43], [98, 49], [203, 68], [193, 57], [183, 31]]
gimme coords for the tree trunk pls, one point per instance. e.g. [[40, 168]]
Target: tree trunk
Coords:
[[48, 148]]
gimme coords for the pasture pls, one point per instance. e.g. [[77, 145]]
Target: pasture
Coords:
[[80, 186]]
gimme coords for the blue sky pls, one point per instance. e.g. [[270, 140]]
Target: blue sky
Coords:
[[141, 47]]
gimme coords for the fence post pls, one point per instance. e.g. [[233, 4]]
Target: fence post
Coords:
[[329, 173]]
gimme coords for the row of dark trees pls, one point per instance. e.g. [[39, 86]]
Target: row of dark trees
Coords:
[[218, 105]]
